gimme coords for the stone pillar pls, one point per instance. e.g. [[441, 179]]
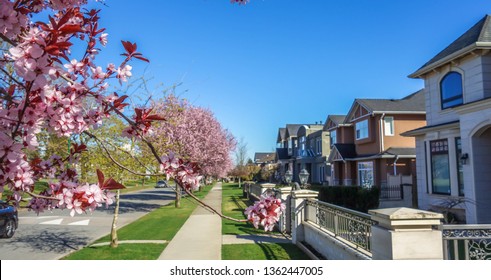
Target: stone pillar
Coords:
[[406, 234], [297, 206]]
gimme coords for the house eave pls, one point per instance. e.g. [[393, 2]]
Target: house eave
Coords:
[[458, 54], [401, 112], [425, 129]]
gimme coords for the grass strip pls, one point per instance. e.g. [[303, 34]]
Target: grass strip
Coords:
[[160, 224], [146, 251], [262, 251], [233, 205]]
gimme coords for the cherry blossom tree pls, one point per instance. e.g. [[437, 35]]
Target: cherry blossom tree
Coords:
[[193, 134], [45, 85]]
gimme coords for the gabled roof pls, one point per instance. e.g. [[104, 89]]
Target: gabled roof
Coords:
[[264, 157], [342, 152], [281, 135], [411, 104], [477, 37], [292, 130], [335, 119]]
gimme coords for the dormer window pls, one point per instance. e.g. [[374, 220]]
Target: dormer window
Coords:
[[451, 90]]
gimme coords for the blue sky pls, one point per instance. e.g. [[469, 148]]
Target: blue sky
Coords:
[[271, 62]]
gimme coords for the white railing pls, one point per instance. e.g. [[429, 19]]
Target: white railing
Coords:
[[466, 242]]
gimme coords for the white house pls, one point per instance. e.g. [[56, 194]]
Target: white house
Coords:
[[454, 148]]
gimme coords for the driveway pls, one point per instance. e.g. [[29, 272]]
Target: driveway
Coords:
[[52, 235]]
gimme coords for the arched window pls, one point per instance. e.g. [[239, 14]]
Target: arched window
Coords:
[[451, 90]]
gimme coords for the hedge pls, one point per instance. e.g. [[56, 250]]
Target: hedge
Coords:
[[352, 197]]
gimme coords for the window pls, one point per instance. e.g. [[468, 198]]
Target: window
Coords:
[[333, 137], [362, 130], [460, 166], [318, 146], [321, 173], [303, 144], [365, 174], [440, 168], [389, 126], [451, 90]]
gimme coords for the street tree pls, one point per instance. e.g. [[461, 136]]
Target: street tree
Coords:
[[193, 134], [45, 86]]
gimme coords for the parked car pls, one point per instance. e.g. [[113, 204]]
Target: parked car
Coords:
[[162, 184], [9, 220]]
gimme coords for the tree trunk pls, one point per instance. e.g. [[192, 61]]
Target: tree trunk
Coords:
[[114, 229], [178, 196]]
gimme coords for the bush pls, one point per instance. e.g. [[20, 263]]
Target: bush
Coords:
[[352, 197]]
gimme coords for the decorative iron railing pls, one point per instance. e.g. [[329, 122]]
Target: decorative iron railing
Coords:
[[350, 227], [467, 242], [395, 192]]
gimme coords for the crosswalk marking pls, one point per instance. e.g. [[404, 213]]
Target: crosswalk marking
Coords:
[[52, 222], [80, 223]]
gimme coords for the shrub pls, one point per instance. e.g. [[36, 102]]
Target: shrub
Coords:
[[352, 197]]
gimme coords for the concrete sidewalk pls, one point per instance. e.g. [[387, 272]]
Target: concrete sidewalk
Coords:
[[200, 238]]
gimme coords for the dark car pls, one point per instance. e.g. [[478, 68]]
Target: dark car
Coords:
[[162, 184], [9, 220]]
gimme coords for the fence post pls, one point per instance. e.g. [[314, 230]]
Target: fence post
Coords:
[[297, 206], [405, 234]]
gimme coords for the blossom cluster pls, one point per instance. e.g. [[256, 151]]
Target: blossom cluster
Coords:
[[68, 195], [266, 212], [186, 174]]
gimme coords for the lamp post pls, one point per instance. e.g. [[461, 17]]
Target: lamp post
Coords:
[[288, 176], [304, 176]]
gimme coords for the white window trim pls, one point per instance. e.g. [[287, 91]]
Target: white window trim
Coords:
[[389, 132], [369, 167]]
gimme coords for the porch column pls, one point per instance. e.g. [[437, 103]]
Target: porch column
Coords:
[[297, 206], [406, 234]]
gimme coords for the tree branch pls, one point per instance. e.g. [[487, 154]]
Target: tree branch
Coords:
[[99, 142]]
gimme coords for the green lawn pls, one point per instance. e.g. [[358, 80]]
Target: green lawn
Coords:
[[262, 252], [160, 224], [147, 251], [233, 205]]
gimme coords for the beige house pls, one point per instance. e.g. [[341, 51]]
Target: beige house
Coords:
[[454, 149]]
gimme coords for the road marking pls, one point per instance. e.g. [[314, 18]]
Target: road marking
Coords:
[[52, 222], [80, 223]]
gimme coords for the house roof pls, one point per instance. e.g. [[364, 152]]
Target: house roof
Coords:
[[264, 157], [346, 150], [281, 134], [477, 37], [336, 119], [414, 102], [403, 151], [292, 130], [430, 128]]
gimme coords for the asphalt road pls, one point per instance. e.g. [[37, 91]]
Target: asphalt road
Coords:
[[52, 235]]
